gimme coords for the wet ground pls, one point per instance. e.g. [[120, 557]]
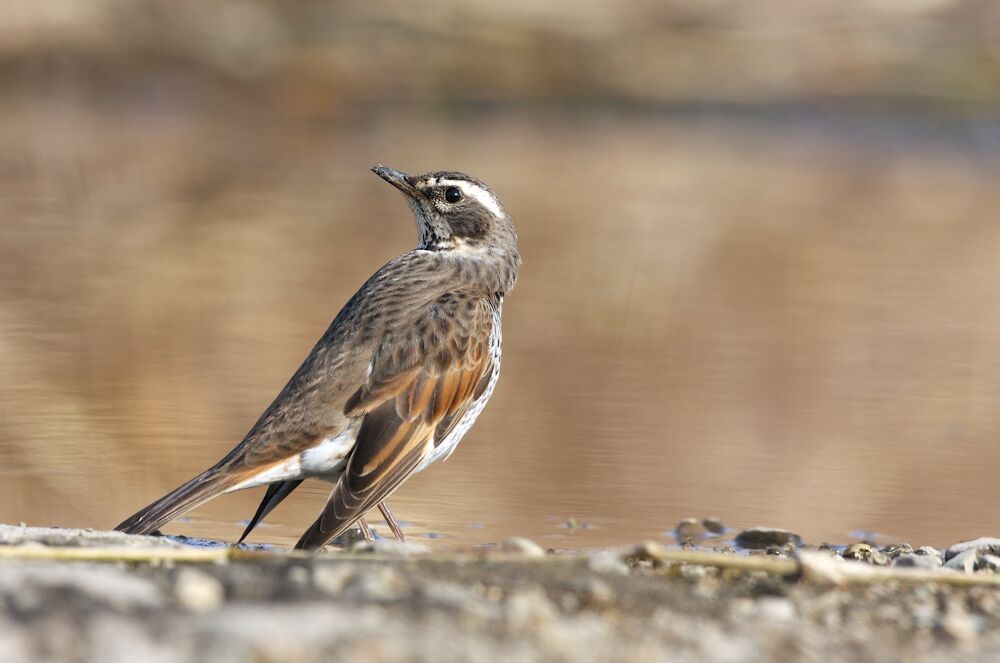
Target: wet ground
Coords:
[[111, 597]]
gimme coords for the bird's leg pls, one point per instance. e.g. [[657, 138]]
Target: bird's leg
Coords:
[[391, 522], [366, 531]]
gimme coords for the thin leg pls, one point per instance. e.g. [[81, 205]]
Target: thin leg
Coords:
[[391, 522], [366, 531]]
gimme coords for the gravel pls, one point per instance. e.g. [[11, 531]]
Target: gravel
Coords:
[[506, 603]]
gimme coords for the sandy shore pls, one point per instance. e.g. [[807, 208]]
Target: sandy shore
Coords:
[[76, 595]]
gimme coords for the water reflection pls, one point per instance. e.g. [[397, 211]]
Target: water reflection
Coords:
[[715, 316]]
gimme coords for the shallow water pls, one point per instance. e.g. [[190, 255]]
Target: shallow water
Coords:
[[773, 323]]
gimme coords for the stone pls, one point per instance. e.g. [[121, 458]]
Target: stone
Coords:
[[964, 561], [689, 530], [865, 553], [759, 538], [518, 545], [895, 550], [714, 525], [989, 563], [984, 544]]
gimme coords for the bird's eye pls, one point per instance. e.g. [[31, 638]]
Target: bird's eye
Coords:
[[453, 194]]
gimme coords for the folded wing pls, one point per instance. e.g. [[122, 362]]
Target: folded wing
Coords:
[[420, 384]]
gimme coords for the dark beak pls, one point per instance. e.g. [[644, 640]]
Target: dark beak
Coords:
[[397, 179]]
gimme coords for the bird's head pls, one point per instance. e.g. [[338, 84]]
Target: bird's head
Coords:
[[453, 210]]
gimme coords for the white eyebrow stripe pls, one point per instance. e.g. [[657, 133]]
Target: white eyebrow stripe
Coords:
[[482, 196]]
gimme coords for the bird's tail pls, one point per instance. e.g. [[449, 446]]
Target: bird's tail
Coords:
[[197, 491], [276, 492]]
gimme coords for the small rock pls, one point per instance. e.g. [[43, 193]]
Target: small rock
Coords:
[[865, 553], [989, 563], [964, 561], [521, 546], [914, 560], [714, 525], [765, 537], [198, 591], [689, 530], [986, 545], [894, 551]]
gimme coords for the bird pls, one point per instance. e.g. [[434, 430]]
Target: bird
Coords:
[[396, 381]]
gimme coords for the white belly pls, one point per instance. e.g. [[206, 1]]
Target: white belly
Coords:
[[448, 444], [324, 461]]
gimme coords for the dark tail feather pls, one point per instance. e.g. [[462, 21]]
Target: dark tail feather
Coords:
[[197, 491], [330, 524], [276, 492], [313, 538]]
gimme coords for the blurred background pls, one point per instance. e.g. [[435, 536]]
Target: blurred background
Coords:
[[761, 253]]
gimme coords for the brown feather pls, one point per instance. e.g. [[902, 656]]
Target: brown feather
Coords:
[[421, 316], [407, 412], [205, 486]]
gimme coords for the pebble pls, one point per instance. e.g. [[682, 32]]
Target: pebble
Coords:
[[894, 551], [865, 553], [764, 537], [689, 530], [985, 545], [647, 552], [519, 545], [714, 525], [989, 563], [964, 560]]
